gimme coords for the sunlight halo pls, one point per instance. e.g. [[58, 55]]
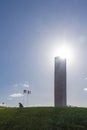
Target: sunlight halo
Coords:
[[64, 52]]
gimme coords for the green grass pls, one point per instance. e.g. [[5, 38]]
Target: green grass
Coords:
[[43, 118]]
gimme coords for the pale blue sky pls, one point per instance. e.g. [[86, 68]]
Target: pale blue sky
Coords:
[[29, 32]]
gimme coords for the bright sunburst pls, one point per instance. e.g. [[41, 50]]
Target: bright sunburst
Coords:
[[63, 51]]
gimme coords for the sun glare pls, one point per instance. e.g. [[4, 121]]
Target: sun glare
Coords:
[[63, 52]]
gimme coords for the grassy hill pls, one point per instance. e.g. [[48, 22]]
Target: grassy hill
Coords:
[[43, 118]]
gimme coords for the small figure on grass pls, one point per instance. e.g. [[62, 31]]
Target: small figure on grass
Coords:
[[20, 105]]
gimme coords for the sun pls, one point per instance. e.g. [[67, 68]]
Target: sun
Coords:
[[64, 52]]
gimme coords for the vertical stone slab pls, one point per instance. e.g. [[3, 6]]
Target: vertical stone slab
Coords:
[[60, 82]]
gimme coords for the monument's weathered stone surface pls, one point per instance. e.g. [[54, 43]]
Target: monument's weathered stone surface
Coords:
[[60, 82]]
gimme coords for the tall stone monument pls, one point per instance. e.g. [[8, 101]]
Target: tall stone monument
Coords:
[[60, 82]]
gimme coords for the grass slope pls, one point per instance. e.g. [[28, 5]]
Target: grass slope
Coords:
[[43, 118]]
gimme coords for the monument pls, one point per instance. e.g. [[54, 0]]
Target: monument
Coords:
[[60, 82]]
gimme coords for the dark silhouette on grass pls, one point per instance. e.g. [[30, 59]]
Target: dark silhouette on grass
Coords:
[[20, 105]]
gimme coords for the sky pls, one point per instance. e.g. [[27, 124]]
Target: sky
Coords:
[[30, 32]]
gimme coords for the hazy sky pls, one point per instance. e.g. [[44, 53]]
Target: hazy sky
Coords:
[[30, 31]]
